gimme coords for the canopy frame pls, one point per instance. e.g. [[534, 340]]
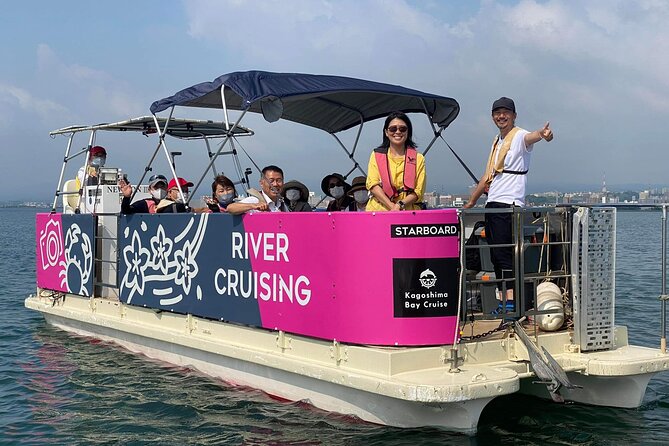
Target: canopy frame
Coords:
[[302, 98], [184, 129]]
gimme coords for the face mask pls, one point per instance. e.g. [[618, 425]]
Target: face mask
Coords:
[[337, 191], [225, 199], [185, 199], [98, 161], [293, 194], [361, 196], [159, 194]]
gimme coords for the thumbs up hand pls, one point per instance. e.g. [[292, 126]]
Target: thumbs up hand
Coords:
[[546, 133]]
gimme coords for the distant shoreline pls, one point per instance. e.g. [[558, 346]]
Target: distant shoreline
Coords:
[[30, 205]]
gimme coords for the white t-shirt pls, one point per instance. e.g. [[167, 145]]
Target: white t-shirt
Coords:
[[280, 206], [507, 187]]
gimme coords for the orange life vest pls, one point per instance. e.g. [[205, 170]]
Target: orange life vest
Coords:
[[409, 177]]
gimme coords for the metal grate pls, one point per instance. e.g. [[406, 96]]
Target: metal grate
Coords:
[[593, 268]]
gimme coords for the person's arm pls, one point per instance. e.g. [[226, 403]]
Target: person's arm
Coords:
[[408, 200], [381, 197], [543, 133], [246, 205], [480, 188], [126, 207]]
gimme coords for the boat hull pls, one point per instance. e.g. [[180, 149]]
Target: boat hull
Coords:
[[377, 384]]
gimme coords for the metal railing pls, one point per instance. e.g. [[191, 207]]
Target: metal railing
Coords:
[[541, 251]]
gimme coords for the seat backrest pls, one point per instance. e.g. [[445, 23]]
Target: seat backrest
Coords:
[[70, 201]]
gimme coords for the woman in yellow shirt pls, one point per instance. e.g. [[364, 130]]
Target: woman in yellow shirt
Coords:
[[397, 151]]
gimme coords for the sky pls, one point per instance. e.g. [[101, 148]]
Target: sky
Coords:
[[597, 70]]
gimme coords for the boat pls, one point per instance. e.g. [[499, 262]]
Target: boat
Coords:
[[255, 301]]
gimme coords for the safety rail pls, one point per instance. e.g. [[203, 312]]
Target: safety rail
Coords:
[[542, 251]]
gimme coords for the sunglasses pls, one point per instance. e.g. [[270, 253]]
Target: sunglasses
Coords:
[[398, 128]]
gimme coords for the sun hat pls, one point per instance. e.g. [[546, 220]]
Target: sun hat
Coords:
[[325, 183], [358, 183], [294, 184]]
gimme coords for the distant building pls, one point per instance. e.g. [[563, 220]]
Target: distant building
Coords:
[[431, 199]]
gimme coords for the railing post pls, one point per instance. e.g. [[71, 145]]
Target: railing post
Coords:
[[663, 296], [519, 247]]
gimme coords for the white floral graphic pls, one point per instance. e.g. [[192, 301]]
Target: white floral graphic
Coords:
[[170, 263], [136, 258], [50, 244], [161, 248], [187, 269]]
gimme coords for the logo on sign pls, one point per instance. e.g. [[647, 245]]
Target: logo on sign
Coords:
[[50, 244], [418, 293], [427, 279]]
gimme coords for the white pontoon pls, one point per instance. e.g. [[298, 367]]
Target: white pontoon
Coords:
[[254, 300]]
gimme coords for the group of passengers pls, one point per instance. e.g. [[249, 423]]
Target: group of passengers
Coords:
[[395, 181]]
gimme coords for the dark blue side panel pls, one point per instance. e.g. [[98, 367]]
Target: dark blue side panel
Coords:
[[170, 262]]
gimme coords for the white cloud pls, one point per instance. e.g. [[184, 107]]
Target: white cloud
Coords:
[[93, 93], [15, 97], [573, 63]]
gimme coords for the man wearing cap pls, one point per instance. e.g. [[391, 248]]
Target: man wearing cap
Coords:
[[175, 202], [504, 178], [268, 198], [157, 189], [88, 174]]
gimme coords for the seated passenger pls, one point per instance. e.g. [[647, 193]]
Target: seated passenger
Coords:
[[359, 193], [157, 189], [335, 186], [266, 199], [297, 196], [174, 202], [222, 194], [88, 175]]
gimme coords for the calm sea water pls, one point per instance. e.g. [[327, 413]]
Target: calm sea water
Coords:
[[57, 389]]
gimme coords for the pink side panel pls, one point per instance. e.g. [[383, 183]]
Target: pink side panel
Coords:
[[348, 260], [50, 256]]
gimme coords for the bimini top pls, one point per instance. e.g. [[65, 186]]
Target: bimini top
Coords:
[[330, 103], [178, 128]]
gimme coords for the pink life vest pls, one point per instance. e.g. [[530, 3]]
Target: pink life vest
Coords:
[[151, 204], [409, 177]]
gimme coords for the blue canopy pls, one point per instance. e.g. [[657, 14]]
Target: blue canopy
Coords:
[[330, 103]]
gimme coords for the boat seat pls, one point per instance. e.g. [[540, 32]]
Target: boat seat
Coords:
[[70, 201]]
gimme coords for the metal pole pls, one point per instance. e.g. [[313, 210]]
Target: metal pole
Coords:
[[213, 166], [62, 173], [147, 168], [663, 297], [211, 162], [350, 155], [84, 181], [225, 108], [161, 142], [434, 138], [519, 247]]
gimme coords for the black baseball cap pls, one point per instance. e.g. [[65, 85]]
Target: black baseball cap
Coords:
[[504, 102]]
